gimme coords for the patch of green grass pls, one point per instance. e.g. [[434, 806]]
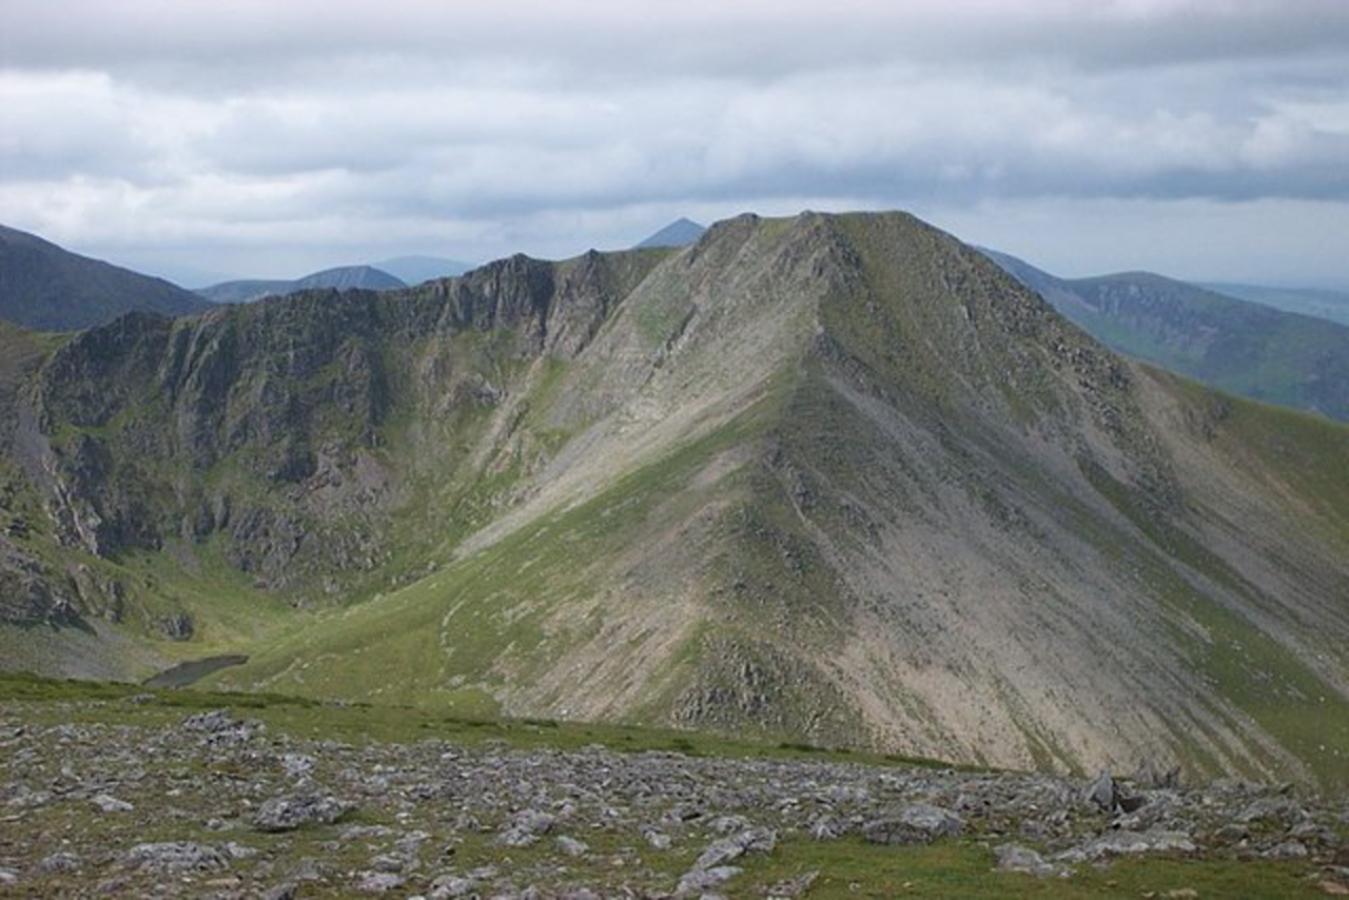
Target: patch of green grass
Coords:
[[116, 702], [852, 869]]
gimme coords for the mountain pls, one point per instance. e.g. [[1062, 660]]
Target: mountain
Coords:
[[679, 233], [835, 479], [1322, 303], [1235, 345], [45, 287], [342, 278], [417, 269]]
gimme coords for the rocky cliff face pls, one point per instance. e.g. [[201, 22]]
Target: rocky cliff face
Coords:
[[833, 478]]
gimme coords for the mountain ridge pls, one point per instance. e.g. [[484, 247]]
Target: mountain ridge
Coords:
[[832, 478]]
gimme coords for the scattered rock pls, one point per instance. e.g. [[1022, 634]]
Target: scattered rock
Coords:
[[1288, 850], [378, 882], [1107, 795], [297, 765], [1019, 858], [1232, 833], [697, 881], [423, 800], [720, 852], [1129, 843], [1273, 811], [109, 804], [289, 813], [792, 887], [176, 857], [526, 828], [448, 887], [1101, 792], [571, 846], [213, 720], [827, 828], [657, 839], [222, 729], [59, 863], [917, 824]]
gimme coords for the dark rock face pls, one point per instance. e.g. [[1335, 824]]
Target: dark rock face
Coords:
[[289, 398], [177, 627], [28, 593]]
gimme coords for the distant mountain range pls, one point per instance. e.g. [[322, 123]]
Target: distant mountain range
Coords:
[[342, 278], [1320, 302], [45, 287], [416, 269], [679, 233], [1235, 345]]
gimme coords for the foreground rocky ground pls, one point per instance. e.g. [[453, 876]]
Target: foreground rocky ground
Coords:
[[214, 803]]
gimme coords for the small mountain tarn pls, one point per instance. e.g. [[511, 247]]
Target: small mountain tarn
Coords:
[[827, 479], [192, 671]]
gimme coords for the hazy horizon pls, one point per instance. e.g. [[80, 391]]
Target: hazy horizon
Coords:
[[1203, 139]]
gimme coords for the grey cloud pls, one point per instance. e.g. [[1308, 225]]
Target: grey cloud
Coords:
[[694, 35], [242, 123]]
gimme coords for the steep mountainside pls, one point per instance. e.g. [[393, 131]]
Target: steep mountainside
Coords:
[[342, 278], [833, 478], [45, 287], [1246, 348]]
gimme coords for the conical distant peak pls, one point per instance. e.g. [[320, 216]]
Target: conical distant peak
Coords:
[[679, 233]]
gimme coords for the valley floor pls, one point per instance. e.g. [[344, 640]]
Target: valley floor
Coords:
[[114, 791]]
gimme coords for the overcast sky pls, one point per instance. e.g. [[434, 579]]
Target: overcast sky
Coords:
[[1200, 138]]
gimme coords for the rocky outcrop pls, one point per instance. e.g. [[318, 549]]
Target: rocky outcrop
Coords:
[[29, 594]]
